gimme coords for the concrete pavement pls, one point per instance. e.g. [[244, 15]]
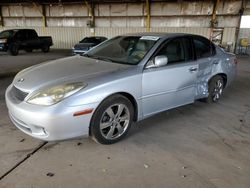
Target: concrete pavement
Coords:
[[10, 65]]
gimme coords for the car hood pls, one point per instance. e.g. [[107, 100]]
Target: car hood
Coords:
[[66, 70]]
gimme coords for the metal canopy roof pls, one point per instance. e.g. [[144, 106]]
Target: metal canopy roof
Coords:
[[77, 1]]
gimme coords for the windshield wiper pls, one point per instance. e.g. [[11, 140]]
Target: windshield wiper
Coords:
[[103, 58], [97, 57]]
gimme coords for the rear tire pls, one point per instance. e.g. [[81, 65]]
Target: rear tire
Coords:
[[14, 49], [215, 89], [45, 48], [112, 120]]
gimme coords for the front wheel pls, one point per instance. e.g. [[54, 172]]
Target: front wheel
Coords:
[[215, 89], [14, 49], [112, 120]]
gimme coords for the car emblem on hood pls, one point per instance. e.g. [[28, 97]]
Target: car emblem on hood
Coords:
[[20, 80]]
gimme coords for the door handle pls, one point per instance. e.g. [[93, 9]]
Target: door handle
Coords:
[[193, 69]]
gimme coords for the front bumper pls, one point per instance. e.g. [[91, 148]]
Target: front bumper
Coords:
[[49, 123], [3, 47], [77, 51]]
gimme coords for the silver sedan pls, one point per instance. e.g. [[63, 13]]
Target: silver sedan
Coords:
[[127, 78]]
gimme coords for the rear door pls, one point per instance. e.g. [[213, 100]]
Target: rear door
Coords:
[[20, 38], [205, 51], [171, 85], [32, 39]]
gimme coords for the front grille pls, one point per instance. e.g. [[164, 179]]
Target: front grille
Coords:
[[18, 94], [82, 48]]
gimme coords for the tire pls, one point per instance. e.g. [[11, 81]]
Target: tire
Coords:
[[14, 49], [45, 48], [215, 89], [108, 125]]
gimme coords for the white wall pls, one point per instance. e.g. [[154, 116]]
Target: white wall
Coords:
[[66, 37], [67, 23]]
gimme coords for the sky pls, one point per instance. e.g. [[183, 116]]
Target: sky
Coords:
[[245, 22]]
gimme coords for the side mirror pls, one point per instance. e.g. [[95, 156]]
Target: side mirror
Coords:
[[159, 61]]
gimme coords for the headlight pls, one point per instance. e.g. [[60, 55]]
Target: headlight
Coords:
[[3, 40], [55, 94]]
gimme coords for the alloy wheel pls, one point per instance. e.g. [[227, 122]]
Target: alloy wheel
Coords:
[[218, 88], [114, 121]]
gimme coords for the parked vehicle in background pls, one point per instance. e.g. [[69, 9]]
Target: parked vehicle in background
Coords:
[[86, 44], [127, 78], [23, 39]]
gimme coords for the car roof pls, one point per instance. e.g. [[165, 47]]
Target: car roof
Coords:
[[15, 30], [159, 34], [96, 37]]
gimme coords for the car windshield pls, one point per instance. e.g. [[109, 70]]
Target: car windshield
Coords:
[[6, 34], [123, 49]]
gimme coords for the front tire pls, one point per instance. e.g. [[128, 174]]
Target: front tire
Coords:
[[112, 120], [215, 89], [14, 49]]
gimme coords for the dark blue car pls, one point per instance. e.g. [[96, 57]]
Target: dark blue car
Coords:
[[87, 43]]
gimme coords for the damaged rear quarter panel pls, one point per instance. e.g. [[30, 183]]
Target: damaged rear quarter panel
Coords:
[[221, 63]]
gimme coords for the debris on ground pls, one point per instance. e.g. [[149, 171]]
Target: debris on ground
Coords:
[[146, 166], [50, 174]]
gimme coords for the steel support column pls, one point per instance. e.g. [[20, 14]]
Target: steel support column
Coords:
[[214, 22], [1, 17], [91, 10], [42, 12], [243, 6], [148, 15], [44, 19]]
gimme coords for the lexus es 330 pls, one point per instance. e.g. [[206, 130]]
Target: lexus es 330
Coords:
[[124, 79]]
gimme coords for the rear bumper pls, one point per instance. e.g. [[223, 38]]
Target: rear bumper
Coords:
[[232, 73], [49, 123]]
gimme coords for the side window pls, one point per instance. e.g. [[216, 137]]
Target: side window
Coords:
[[32, 34], [203, 47], [173, 50], [21, 35], [188, 49]]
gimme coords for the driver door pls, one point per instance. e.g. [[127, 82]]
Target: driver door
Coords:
[[171, 85]]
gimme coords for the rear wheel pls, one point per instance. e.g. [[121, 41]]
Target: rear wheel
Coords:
[[14, 49], [215, 89], [45, 48], [112, 120]]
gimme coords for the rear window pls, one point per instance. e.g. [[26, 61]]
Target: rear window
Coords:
[[203, 47], [31, 34], [91, 40]]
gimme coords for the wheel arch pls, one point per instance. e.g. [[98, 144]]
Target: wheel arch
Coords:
[[130, 97], [224, 77]]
